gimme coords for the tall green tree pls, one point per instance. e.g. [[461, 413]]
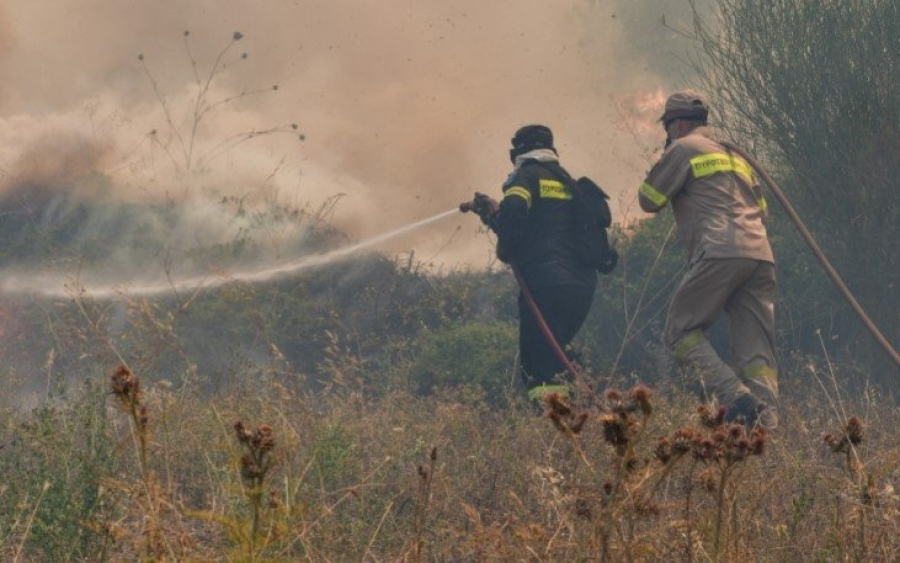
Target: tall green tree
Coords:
[[811, 86]]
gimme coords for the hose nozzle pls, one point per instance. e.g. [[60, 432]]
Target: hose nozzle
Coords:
[[482, 205]]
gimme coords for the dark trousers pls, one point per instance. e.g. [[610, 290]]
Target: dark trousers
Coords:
[[564, 308]]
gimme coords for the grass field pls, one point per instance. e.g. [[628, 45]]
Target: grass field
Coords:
[[124, 470]]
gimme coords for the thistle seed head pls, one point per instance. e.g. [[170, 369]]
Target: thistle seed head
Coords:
[[736, 432], [556, 403], [758, 439], [663, 450], [615, 430], [854, 430], [125, 385], [641, 396]]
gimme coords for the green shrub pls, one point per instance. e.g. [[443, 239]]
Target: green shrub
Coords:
[[477, 354]]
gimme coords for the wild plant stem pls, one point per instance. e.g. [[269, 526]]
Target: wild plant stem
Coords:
[[27, 529], [422, 509], [140, 433], [720, 509], [689, 546]]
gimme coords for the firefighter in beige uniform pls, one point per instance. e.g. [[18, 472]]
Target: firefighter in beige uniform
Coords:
[[719, 211]]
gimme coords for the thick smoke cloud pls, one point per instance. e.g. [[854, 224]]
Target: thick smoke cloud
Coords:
[[406, 106]]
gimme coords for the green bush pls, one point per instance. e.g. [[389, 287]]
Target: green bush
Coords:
[[478, 354]]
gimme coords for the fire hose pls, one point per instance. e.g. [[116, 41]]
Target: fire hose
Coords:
[[478, 207], [820, 256]]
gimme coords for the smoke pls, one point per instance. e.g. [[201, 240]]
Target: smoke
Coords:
[[405, 107]]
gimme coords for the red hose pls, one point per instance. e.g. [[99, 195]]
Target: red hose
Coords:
[[548, 334], [467, 206]]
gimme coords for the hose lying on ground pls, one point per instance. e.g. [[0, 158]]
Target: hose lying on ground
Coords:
[[820, 256]]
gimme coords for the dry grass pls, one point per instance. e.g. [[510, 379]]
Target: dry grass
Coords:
[[262, 473]]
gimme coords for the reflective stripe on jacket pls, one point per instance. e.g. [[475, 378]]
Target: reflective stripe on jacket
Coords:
[[718, 204], [535, 227]]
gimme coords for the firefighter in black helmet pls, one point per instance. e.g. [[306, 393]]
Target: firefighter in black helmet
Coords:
[[534, 223]]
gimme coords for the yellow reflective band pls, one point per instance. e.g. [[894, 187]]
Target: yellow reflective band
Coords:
[[521, 192], [687, 343], [541, 391], [708, 164], [653, 194], [551, 189], [763, 205], [759, 372]]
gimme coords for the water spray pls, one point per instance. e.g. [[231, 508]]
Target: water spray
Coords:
[[29, 285]]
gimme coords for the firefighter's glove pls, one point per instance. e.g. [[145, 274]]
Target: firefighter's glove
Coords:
[[485, 207]]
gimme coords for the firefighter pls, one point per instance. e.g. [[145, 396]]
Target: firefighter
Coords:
[[719, 212], [534, 227]]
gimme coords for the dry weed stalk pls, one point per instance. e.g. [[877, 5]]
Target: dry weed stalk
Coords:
[[623, 421], [184, 132], [148, 497], [426, 478], [630, 491], [723, 449], [861, 480], [126, 387], [256, 461]]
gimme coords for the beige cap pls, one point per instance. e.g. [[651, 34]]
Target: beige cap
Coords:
[[685, 104]]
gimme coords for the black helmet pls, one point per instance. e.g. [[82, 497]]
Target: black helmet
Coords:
[[529, 138]]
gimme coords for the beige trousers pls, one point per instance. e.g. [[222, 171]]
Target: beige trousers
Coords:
[[744, 289]]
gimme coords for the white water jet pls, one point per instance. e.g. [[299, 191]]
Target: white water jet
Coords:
[[39, 284]]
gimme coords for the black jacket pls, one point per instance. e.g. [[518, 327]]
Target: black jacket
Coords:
[[535, 227]]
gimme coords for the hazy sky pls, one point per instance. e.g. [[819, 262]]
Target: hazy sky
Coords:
[[407, 106]]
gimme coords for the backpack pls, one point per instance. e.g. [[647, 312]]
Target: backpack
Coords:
[[592, 218]]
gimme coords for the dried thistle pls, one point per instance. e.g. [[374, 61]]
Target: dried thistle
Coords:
[[709, 417], [641, 396], [720, 436], [255, 463], [852, 436], [125, 386], [683, 440], [758, 439], [557, 404], [705, 449], [854, 431], [263, 439], [615, 429], [243, 435], [663, 450], [561, 414], [736, 432]]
